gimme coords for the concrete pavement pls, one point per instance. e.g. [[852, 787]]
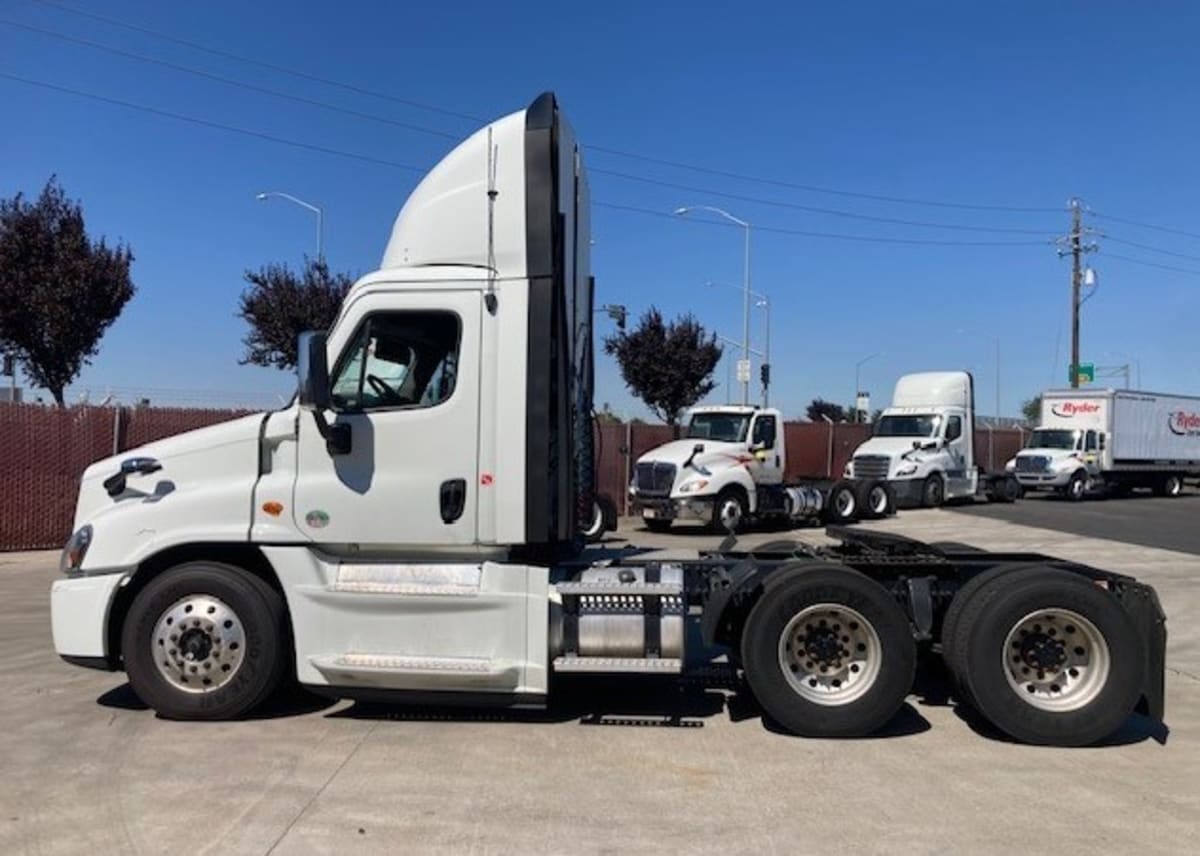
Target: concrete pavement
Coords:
[[620, 766]]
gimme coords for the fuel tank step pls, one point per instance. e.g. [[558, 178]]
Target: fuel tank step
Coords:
[[621, 665]]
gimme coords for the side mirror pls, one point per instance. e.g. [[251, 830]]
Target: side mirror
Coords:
[[698, 449], [313, 371]]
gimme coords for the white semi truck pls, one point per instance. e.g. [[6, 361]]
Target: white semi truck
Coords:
[[729, 469], [407, 528], [1112, 441], [923, 445]]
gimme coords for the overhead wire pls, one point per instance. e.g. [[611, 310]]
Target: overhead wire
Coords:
[[1142, 225]]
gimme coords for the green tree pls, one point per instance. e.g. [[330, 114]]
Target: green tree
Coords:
[[280, 304], [819, 408], [59, 289], [1032, 410], [668, 366]]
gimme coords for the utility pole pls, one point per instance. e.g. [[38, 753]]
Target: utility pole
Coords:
[[1076, 247]]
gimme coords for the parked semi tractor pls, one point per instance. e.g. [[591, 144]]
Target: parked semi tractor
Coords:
[[408, 527], [1112, 441], [923, 445], [728, 470]]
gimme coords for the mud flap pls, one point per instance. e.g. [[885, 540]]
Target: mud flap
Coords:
[[1142, 604]]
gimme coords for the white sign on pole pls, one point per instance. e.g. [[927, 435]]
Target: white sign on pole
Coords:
[[743, 371]]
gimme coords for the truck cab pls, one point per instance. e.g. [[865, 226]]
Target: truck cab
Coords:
[[716, 472], [1065, 459], [923, 445]]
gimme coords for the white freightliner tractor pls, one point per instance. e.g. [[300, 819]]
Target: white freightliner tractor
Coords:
[[408, 527]]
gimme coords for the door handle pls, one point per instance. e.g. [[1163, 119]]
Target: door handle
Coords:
[[453, 496]]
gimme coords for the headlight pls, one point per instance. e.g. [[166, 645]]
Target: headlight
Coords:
[[693, 486], [906, 470], [1011, 464], [848, 470], [76, 548]]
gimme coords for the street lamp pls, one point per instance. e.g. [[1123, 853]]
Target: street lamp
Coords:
[[762, 302], [857, 367], [745, 286], [263, 197]]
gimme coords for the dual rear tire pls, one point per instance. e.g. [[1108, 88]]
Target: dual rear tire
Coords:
[[1044, 655]]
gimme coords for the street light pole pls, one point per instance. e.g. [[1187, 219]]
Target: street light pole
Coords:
[[745, 286], [316, 209], [857, 367], [763, 302]]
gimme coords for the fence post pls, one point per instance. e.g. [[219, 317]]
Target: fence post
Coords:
[[627, 453], [116, 430]]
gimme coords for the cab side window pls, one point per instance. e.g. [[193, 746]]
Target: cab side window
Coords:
[[764, 432], [1090, 442], [399, 360], [953, 428]]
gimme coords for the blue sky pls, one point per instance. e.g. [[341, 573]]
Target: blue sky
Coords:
[[1019, 104]]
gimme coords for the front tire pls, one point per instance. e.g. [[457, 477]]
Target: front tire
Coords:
[[729, 511], [1076, 488], [933, 492], [828, 652], [205, 640]]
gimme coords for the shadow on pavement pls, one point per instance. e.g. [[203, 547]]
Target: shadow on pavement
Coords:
[[292, 700]]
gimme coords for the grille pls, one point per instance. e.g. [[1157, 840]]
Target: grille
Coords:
[[871, 466], [1033, 464], [654, 479]]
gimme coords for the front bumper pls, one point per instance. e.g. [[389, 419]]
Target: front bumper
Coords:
[[79, 608], [666, 508], [1042, 481]]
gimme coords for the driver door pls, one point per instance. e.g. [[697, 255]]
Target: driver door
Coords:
[[405, 381], [768, 460]]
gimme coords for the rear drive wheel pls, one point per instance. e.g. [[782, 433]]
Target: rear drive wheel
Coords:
[[933, 492], [1053, 660], [594, 530], [205, 641], [1077, 487], [729, 511], [1170, 485], [876, 499], [828, 652], [843, 504]]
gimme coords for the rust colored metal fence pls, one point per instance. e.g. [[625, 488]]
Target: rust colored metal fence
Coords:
[[44, 451]]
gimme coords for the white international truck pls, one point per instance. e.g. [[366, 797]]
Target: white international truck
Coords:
[[1111, 441], [923, 445], [407, 528], [728, 469]]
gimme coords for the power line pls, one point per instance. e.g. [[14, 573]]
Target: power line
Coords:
[[832, 235], [303, 75], [1150, 248], [810, 188], [466, 116], [408, 167], [1151, 264], [229, 81], [234, 129], [833, 212], [1141, 225]]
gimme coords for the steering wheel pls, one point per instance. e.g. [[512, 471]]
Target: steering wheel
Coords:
[[385, 391]]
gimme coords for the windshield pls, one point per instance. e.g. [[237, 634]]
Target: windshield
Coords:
[[724, 427], [918, 425], [1045, 438]]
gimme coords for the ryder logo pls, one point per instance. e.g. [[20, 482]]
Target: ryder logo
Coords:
[[1184, 424], [1068, 409]]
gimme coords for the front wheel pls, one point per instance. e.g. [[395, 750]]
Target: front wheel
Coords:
[[1076, 488], [933, 492], [828, 652], [729, 511], [205, 640]]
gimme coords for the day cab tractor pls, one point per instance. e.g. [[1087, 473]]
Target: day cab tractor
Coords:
[[408, 529]]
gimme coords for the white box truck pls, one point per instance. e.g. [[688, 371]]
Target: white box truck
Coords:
[[408, 527], [923, 445], [1111, 440]]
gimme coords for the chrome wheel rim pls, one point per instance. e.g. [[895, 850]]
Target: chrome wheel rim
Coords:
[[830, 654], [1077, 488], [730, 513], [198, 644], [878, 500], [1174, 486], [597, 523], [844, 503], [1056, 660]]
